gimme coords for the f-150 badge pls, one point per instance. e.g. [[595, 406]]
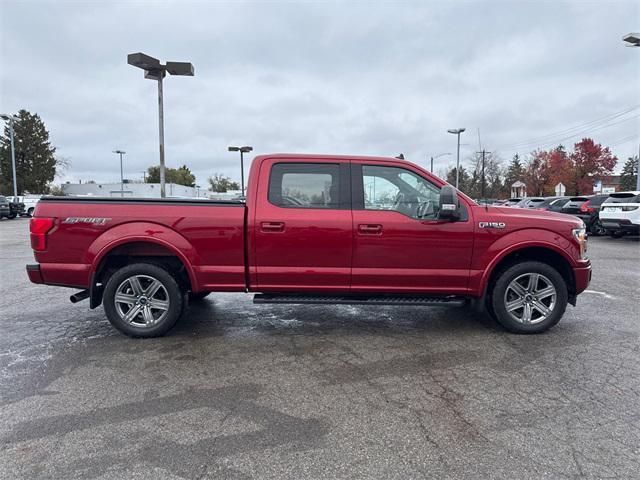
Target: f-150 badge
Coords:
[[492, 224], [92, 220]]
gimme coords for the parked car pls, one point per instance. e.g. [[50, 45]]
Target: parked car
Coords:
[[529, 202], [16, 207], [552, 204], [509, 202], [5, 209], [572, 207], [414, 240], [589, 211], [29, 203], [620, 214]]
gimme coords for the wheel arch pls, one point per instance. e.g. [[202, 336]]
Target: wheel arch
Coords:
[[546, 254], [132, 249]]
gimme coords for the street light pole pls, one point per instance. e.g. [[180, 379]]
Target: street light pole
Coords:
[[161, 134], [154, 70], [121, 152], [633, 40], [436, 157], [10, 119], [457, 131], [242, 151]]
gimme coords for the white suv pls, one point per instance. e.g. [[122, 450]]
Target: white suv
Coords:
[[620, 214]]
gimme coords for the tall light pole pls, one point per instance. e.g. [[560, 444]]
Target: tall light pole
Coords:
[[633, 39], [242, 151], [437, 156], [154, 70], [10, 119], [121, 152], [457, 131]]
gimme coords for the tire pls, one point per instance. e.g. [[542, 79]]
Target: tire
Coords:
[[515, 286], [198, 296], [12, 216], [133, 285], [30, 211], [596, 229], [615, 233]]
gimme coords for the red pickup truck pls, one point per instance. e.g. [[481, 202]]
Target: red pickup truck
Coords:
[[314, 229]]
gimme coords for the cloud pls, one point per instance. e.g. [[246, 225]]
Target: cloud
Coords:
[[329, 77]]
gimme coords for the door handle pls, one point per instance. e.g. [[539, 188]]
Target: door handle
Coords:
[[370, 229], [272, 226]]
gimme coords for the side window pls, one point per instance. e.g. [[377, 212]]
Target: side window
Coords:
[[400, 190], [305, 185]]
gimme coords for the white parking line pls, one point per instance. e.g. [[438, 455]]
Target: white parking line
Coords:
[[604, 294]]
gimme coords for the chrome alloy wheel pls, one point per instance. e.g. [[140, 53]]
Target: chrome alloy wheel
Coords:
[[530, 298], [142, 301]]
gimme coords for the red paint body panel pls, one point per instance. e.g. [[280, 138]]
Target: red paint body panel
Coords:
[[263, 247]]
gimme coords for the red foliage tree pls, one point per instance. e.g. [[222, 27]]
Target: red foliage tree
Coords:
[[590, 162]]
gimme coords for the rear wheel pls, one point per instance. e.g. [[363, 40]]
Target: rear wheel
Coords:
[[143, 300], [30, 211], [597, 229], [529, 297]]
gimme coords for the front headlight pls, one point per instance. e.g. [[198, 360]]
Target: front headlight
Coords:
[[580, 234]]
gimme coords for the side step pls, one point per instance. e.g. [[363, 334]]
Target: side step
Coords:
[[309, 299]]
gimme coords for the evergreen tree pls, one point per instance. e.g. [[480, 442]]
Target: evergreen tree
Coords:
[[35, 160], [629, 176], [515, 172]]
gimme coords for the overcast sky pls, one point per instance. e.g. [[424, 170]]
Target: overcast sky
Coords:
[[322, 77]]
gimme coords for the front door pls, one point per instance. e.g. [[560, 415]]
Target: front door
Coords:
[[302, 228], [400, 245]]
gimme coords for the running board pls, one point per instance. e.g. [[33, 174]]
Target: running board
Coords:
[[413, 300]]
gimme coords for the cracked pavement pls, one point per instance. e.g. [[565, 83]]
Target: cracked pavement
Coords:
[[244, 391]]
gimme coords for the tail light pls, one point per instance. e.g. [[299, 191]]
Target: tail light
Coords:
[[39, 227], [584, 208]]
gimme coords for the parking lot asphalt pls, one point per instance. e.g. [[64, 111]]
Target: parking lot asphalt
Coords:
[[244, 391]]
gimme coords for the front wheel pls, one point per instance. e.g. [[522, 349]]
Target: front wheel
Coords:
[[143, 300], [529, 297]]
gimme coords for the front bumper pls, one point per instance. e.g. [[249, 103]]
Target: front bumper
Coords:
[[582, 275]]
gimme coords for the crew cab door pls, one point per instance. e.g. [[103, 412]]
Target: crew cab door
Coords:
[[302, 228], [400, 245]]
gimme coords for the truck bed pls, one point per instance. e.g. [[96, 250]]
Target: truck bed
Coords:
[[207, 235]]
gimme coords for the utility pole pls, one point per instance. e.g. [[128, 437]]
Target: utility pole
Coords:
[[431, 170], [483, 153]]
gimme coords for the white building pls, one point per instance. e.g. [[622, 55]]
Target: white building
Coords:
[[144, 190]]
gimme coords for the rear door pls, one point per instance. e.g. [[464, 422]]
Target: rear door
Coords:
[[399, 244], [302, 229]]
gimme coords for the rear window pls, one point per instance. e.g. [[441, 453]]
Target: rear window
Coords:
[[599, 200], [623, 198], [299, 185]]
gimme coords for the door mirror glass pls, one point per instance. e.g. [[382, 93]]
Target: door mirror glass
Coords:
[[449, 204]]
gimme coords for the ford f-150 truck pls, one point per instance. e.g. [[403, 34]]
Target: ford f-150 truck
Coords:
[[314, 229]]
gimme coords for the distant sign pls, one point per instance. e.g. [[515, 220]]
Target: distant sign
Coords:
[[560, 190]]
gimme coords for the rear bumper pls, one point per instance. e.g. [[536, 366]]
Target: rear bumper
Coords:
[[583, 276], [624, 225], [34, 273]]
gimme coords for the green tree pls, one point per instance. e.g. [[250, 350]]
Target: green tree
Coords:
[[219, 183], [515, 171], [180, 176], [464, 180], [35, 156], [629, 175]]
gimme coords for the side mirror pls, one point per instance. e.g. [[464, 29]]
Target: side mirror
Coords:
[[449, 204]]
